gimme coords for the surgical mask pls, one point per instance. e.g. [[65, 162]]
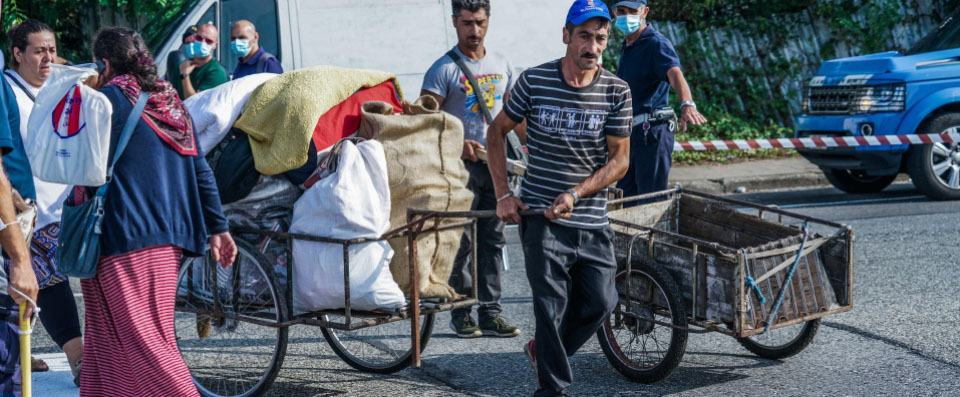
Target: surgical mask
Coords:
[[201, 49], [187, 50], [629, 23], [240, 47]]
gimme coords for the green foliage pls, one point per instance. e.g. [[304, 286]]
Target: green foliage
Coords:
[[69, 17], [745, 59]]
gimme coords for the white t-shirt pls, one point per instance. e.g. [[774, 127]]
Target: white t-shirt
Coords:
[[50, 196]]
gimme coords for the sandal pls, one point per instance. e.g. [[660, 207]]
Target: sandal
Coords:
[[37, 365], [76, 373]]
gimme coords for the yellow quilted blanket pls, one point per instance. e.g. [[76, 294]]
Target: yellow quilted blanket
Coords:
[[282, 113]]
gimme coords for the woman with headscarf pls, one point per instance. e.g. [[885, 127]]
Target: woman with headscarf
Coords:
[[162, 203]]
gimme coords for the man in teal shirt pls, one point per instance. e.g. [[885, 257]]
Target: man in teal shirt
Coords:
[[202, 72], [21, 276]]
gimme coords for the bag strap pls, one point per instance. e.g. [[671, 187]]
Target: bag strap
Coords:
[[515, 147], [473, 82], [125, 138], [19, 84]]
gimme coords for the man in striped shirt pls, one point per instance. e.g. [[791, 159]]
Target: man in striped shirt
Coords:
[[578, 126]]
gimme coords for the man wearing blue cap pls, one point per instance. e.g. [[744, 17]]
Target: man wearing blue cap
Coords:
[[578, 127], [650, 65]]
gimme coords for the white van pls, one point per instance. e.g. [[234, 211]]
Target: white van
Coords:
[[403, 37]]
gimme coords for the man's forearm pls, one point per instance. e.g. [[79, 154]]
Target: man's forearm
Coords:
[[188, 90], [497, 160], [679, 84], [604, 177]]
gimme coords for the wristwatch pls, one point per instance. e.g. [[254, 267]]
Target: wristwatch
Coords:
[[576, 197], [688, 103], [183, 76]]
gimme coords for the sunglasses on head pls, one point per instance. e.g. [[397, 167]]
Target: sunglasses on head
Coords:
[[200, 37]]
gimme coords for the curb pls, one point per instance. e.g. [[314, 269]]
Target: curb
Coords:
[[750, 184]]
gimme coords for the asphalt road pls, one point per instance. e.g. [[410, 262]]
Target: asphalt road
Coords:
[[901, 338]]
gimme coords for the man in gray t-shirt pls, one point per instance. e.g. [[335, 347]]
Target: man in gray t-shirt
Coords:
[[446, 82]]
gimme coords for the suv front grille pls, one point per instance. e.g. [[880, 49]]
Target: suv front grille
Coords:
[[830, 100]]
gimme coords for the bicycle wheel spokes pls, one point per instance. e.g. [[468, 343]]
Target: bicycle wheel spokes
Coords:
[[384, 348], [643, 344], [229, 357]]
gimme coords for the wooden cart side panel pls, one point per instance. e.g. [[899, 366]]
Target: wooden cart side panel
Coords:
[[837, 262], [716, 285], [808, 293], [716, 222], [660, 215]]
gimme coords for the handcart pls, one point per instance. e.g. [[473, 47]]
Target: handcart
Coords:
[[233, 323], [691, 262]]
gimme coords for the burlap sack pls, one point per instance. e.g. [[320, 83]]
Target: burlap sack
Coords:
[[423, 147]]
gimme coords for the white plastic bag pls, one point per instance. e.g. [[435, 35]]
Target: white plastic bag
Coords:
[[70, 129], [215, 110], [352, 202]]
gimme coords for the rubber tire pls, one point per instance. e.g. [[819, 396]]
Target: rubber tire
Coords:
[[788, 350], [426, 330], [678, 340], [846, 181], [280, 350], [918, 164]]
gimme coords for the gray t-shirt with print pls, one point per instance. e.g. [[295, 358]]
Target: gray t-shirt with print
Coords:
[[494, 74]]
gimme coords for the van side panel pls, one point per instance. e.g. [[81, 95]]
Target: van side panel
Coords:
[[289, 28], [405, 37]]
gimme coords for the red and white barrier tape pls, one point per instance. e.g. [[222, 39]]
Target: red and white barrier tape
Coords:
[[818, 142]]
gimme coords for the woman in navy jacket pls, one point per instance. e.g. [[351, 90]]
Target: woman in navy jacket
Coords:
[[162, 203]]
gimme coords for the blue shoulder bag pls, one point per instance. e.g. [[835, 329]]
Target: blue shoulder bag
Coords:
[[78, 248]]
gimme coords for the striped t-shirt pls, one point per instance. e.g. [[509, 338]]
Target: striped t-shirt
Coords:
[[566, 136]]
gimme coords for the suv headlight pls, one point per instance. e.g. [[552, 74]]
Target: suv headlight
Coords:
[[880, 98]]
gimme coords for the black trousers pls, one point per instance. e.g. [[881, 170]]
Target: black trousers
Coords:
[[571, 272], [650, 159], [59, 312], [490, 242]]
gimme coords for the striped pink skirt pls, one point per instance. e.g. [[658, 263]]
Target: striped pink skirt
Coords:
[[129, 346]]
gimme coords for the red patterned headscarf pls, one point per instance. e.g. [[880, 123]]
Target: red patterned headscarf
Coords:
[[164, 113]]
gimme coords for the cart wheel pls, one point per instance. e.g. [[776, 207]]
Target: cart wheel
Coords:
[[641, 350], [228, 357], [379, 349], [783, 342]]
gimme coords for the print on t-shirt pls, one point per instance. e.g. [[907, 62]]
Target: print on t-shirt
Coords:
[[488, 91], [572, 122]]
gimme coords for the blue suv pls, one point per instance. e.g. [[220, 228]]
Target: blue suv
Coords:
[[917, 92]]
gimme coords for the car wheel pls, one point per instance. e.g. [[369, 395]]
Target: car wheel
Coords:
[[935, 169], [857, 181]]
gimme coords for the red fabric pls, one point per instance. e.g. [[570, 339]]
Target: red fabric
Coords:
[[129, 345], [164, 113], [344, 119]]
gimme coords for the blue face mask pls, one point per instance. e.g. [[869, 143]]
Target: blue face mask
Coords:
[[629, 23], [201, 49], [240, 47], [187, 50]]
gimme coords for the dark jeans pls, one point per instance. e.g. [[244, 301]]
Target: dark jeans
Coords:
[[571, 272], [650, 160], [59, 312], [490, 242]]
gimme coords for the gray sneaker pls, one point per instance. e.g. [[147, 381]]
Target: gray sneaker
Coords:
[[497, 326], [464, 326]]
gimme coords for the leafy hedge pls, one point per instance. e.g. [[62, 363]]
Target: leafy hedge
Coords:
[[755, 95]]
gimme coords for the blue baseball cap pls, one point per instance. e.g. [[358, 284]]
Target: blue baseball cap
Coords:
[[584, 10], [631, 4]]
